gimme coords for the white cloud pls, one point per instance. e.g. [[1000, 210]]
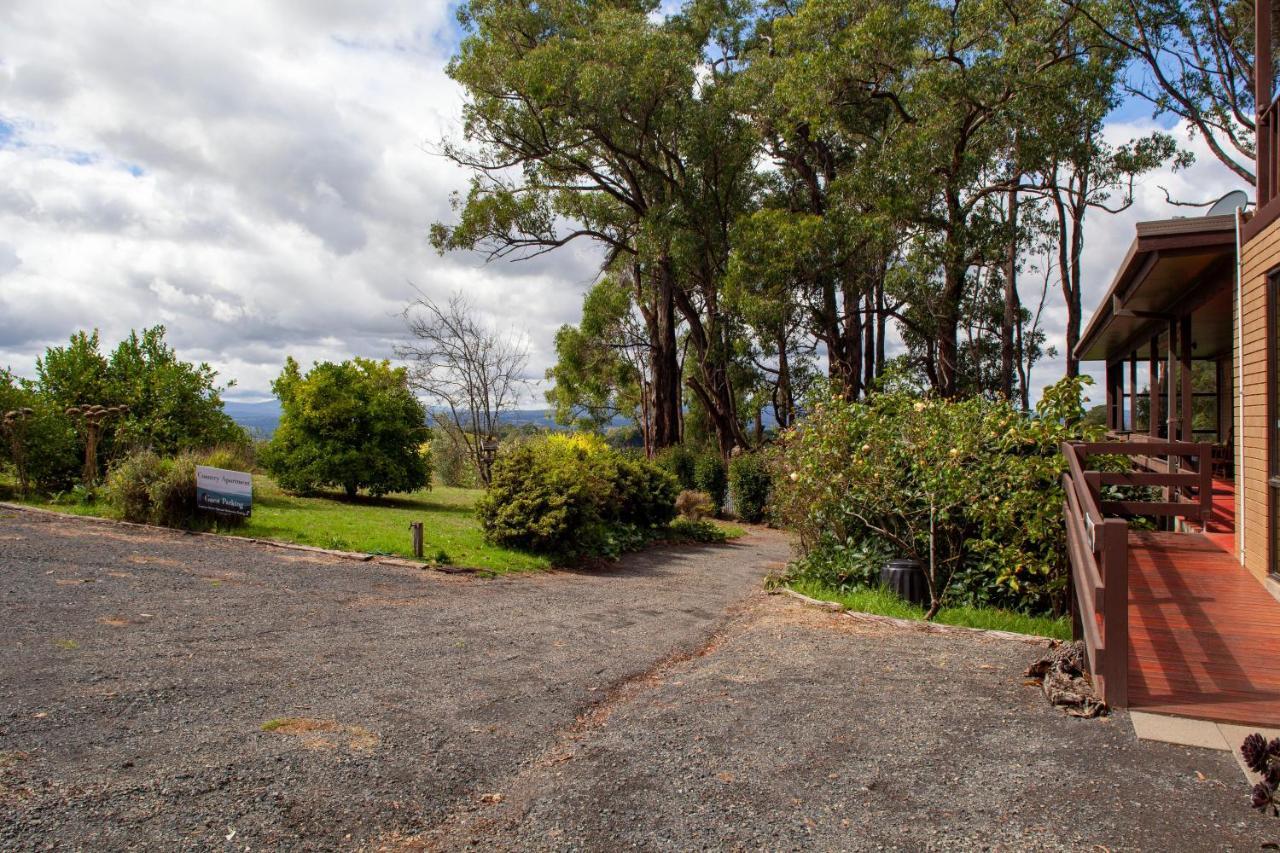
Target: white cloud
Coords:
[[1107, 236], [253, 175]]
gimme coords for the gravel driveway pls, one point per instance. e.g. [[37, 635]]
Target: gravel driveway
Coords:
[[167, 692]]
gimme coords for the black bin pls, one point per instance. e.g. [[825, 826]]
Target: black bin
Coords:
[[907, 579]]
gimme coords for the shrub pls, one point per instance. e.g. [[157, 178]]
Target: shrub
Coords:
[[693, 505], [354, 425], [679, 461], [54, 456], [128, 486], [571, 495], [644, 494], [147, 488], [750, 481], [451, 462], [689, 530], [970, 488], [710, 476]]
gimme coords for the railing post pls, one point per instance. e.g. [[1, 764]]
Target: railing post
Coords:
[[1114, 552], [1206, 483]]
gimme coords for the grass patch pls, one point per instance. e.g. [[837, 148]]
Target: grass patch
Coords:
[[451, 532], [885, 603], [67, 645]]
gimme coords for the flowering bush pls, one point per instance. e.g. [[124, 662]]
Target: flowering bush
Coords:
[[970, 488], [572, 495]]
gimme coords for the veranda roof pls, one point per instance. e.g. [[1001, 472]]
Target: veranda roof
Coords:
[[1174, 267]]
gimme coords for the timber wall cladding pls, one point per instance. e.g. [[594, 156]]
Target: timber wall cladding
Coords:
[[1261, 256]]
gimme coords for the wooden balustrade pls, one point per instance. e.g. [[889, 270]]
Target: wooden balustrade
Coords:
[[1098, 545]]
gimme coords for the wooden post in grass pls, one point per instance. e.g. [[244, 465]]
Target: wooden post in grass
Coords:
[[416, 527]]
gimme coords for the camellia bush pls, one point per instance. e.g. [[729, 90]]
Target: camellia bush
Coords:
[[573, 496], [969, 488]]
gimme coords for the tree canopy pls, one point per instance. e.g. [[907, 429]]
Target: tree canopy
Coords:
[[351, 425], [784, 189]]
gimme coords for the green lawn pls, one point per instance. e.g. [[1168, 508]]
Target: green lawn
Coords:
[[371, 525], [885, 603]]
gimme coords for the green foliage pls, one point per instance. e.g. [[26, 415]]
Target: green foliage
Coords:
[[354, 425], [47, 438], [970, 488], [573, 496], [710, 476], [173, 405], [885, 602], [596, 375], [750, 481], [147, 488], [679, 460], [696, 530], [451, 461]]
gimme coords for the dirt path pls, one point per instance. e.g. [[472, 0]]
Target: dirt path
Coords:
[[665, 703]]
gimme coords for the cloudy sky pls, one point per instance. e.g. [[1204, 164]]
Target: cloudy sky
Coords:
[[256, 177]]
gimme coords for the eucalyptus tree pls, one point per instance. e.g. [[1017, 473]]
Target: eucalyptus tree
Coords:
[[572, 125], [601, 121], [820, 124], [1191, 59], [601, 369]]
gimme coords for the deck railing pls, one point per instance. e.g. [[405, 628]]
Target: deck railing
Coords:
[[1098, 545]]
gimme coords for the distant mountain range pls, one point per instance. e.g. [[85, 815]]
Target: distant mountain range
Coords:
[[261, 418]]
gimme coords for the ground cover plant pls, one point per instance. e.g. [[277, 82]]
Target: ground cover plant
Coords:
[[884, 602], [969, 488]]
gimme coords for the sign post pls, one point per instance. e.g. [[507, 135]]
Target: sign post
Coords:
[[225, 492]]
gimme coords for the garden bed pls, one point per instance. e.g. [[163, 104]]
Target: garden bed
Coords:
[[883, 602]]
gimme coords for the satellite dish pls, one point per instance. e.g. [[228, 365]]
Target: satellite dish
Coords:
[[1229, 203]]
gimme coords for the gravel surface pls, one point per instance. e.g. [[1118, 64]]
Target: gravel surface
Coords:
[[662, 703]]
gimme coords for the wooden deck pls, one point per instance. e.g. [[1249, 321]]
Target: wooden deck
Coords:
[[1204, 635]]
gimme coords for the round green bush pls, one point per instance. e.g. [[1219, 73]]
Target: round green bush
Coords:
[[710, 476], [749, 484], [680, 461], [573, 496]]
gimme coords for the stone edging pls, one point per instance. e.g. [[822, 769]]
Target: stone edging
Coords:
[[911, 624], [357, 556]]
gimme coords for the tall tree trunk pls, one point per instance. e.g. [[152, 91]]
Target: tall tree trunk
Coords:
[[869, 342], [664, 360], [1011, 306], [782, 405], [882, 321], [946, 342]]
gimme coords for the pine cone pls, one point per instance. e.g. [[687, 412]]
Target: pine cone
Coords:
[[1254, 752]]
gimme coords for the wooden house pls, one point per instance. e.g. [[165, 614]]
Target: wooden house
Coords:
[[1176, 562]]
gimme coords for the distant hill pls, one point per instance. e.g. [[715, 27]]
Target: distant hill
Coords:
[[262, 418]]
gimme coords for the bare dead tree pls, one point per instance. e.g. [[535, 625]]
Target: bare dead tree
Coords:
[[461, 363]]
